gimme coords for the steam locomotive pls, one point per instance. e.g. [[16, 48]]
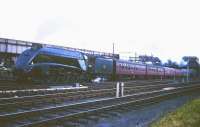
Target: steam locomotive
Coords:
[[47, 64], [56, 65]]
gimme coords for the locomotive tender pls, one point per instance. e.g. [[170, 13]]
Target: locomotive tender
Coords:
[[53, 65]]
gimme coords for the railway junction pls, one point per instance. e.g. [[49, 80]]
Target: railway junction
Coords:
[[62, 86]]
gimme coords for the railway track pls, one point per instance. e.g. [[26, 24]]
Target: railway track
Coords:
[[64, 89], [21, 112], [22, 103], [80, 92], [9, 85]]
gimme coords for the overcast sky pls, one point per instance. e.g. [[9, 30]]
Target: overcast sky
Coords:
[[168, 29]]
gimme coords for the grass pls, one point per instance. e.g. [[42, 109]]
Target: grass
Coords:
[[186, 116]]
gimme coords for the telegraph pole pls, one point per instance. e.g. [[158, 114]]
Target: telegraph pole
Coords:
[[113, 49], [113, 73], [188, 71], [135, 57]]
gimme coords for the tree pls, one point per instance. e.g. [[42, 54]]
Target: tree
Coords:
[[192, 62], [172, 64], [152, 59]]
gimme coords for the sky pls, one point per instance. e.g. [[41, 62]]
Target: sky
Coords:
[[168, 29]]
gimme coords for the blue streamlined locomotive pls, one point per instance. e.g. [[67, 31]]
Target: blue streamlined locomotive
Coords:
[[53, 65], [50, 64]]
